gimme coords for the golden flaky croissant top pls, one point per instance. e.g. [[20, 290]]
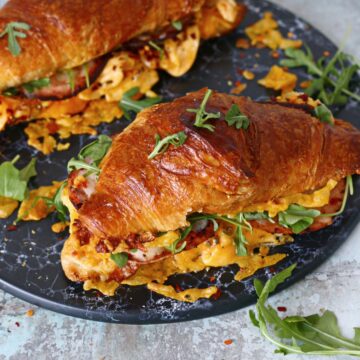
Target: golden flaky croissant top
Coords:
[[284, 151], [65, 34]]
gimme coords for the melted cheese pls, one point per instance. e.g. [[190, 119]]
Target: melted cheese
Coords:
[[189, 295], [265, 32], [7, 206], [315, 199], [36, 209]]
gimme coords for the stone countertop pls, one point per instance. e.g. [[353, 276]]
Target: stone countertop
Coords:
[[334, 286]]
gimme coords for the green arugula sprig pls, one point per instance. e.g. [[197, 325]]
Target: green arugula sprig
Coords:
[[183, 235], [234, 117], [155, 46], [128, 104], [90, 156], [202, 116], [120, 259], [297, 218], [14, 30], [330, 80], [161, 145], [177, 25], [13, 182], [71, 78], [56, 202], [324, 114], [30, 87], [309, 335]]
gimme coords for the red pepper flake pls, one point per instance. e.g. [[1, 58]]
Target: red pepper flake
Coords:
[[17, 324], [304, 97], [216, 295], [178, 288], [272, 269], [228, 342], [282, 308], [11, 227], [52, 127], [212, 279]]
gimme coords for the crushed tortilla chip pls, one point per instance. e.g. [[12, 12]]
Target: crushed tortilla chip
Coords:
[[30, 313], [279, 79], [239, 88], [7, 206], [59, 226], [265, 33], [33, 208], [305, 84]]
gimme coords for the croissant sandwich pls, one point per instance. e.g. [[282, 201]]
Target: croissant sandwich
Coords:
[[64, 58], [205, 181]]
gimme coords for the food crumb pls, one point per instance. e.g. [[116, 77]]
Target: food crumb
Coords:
[[239, 88], [30, 313], [212, 279], [326, 53], [242, 43], [248, 75], [305, 84], [228, 342], [281, 308], [17, 324], [275, 54]]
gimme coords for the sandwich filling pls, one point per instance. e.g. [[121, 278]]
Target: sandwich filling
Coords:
[[209, 241]]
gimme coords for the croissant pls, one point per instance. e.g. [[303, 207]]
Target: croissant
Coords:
[[66, 46], [284, 152]]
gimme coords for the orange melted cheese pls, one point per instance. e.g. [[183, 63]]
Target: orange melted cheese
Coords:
[[32, 208]]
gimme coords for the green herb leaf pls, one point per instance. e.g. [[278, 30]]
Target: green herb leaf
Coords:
[[297, 218], [161, 145], [56, 202], [234, 117], [91, 155], [310, 335], [13, 182], [11, 91], [28, 171], [330, 81], [323, 113], [127, 103], [157, 48], [31, 86], [12, 31], [202, 116], [120, 259], [71, 78], [184, 233], [177, 24]]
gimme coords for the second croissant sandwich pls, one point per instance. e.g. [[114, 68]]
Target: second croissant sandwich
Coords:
[[65, 58], [204, 181]]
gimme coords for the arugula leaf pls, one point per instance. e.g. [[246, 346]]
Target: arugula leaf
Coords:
[[91, 155], [177, 24], [234, 117], [161, 145], [157, 48], [240, 242], [12, 30], [331, 80], [297, 218], [202, 116], [13, 182], [33, 85], [28, 171], [56, 202], [71, 78], [310, 335], [120, 259], [324, 114], [183, 235], [127, 103]]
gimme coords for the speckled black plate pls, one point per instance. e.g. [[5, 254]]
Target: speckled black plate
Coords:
[[29, 257]]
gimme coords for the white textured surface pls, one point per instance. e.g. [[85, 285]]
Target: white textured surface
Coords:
[[334, 286]]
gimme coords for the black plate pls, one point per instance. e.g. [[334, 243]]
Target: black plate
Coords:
[[30, 265]]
